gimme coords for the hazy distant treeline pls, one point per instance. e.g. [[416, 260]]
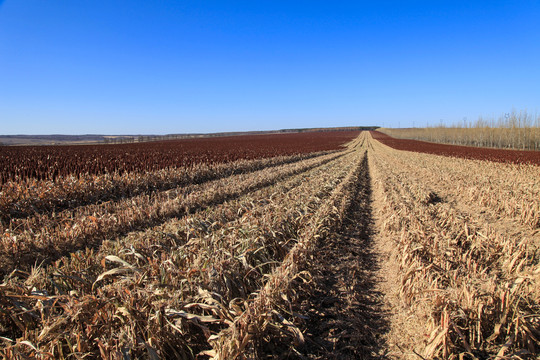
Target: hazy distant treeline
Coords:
[[516, 130], [127, 139]]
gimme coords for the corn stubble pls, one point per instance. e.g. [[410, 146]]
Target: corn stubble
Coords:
[[200, 263], [49, 236], [467, 243], [167, 290]]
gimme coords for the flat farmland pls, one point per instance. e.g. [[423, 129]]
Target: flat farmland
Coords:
[[465, 242], [51, 162], [467, 152], [317, 245]]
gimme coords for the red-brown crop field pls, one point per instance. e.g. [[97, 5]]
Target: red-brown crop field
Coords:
[[468, 152], [50, 162], [316, 245]]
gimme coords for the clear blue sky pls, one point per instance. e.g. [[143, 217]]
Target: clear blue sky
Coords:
[[131, 67]]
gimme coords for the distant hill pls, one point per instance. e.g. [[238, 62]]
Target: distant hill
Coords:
[[50, 139], [58, 139]]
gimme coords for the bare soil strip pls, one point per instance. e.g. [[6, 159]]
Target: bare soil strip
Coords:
[[340, 309]]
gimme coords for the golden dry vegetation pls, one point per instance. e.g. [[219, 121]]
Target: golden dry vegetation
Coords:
[[516, 130], [236, 261], [467, 242]]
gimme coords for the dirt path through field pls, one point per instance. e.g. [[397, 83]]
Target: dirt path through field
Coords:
[[346, 317], [402, 328]]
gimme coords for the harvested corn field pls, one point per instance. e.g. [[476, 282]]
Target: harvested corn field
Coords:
[[465, 241], [354, 252]]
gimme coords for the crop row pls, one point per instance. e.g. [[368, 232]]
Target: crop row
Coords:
[[48, 236], [51, 162], [474, 286], [170, 289], [510, 192], [263, 314], [27, 197]]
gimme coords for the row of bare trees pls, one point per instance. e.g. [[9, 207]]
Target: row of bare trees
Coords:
[[515, 130]]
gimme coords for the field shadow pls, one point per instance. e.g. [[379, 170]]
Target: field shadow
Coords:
[[340, 310]]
